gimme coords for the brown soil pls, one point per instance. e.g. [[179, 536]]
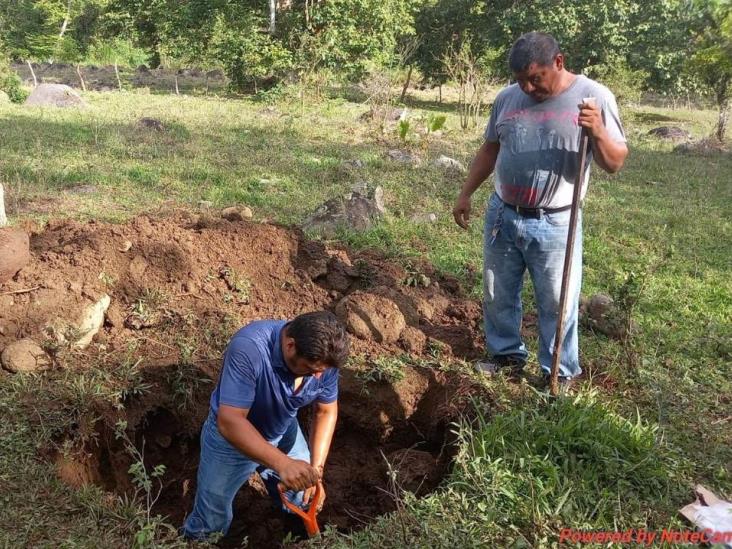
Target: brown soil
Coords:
[[179, 291]]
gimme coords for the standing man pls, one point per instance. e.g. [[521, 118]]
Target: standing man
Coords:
[[532, 143], [271, 369]]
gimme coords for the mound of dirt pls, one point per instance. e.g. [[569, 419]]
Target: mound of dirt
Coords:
[[181, 277]]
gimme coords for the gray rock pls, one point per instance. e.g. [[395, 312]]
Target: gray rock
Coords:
[[24, 355], [670, 132], [424, 218], [4, 97], [404, 157], [54, 95], [353, 211], [151, 124], [205, 204], [354, 164], [447, 163]]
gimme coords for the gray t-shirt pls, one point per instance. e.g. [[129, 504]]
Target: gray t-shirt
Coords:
[[539, 154]]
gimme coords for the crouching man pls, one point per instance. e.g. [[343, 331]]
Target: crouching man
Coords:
[[271, 369]]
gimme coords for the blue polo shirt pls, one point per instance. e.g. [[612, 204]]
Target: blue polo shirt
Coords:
[[255, 376]]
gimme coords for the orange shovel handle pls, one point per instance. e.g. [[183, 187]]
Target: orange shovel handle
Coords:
[[309, 517]]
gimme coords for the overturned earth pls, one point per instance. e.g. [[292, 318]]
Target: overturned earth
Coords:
[[180, 285]]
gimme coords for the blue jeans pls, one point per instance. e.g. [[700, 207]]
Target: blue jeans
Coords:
[[224, 469], [512, 244]]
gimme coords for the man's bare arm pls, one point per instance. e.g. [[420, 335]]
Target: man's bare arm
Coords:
[[483, 165], [238, 430], [609, 154]]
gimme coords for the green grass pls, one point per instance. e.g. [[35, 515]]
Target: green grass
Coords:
[[626, 453]]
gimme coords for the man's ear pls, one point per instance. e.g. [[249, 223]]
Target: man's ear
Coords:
[[559, 61]]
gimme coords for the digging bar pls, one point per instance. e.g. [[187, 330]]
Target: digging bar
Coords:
[[569, 252]]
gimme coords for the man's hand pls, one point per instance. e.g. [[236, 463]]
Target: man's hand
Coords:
[[310, 494], [298, 475], [461, 211], [590, 117]]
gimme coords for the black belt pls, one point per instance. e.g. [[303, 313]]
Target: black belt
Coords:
[[535, 213]]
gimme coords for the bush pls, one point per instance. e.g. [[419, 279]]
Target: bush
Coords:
[[10, 83]]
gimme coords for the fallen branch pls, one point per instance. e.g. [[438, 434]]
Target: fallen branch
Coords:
[[23, 291]]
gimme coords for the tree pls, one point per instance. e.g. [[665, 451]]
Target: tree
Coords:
[[712, 61]]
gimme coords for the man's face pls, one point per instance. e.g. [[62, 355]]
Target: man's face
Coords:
[[303, 367], [298, 365], [540, 81]]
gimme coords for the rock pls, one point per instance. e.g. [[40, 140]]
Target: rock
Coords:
[[4, 97], [114, 317], [54, 95], [237, 213], [424, 218], [354, 164], [354, 211], [448, 163], [704, 147], [413, 340], [670, 132], [137, 267], [600, 314], [205, 204], [403, 156], [24, 355], [82, 189], [91, 320], [370, 316], [14, 252], [150, 124]]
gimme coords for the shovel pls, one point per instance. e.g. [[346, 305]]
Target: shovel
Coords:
[[309, 517]]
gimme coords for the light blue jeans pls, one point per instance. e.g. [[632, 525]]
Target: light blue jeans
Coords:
[[512, 244], [224, 469]]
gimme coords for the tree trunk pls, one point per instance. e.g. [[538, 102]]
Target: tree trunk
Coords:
[[406, 84], [723, 120], [116, 72], [3, 217], [723, 101], [440, 98], [272, 15], [33, 74], [81, 78]]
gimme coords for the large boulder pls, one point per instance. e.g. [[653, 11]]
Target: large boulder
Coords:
[[370, 316], [24, 355], [54, 95], [14, 252], [354, 211]]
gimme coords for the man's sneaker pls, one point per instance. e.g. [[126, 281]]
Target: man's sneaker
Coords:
[[511, 365]]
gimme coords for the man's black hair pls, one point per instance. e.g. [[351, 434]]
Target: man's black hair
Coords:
[[533, 47], [320, 337]]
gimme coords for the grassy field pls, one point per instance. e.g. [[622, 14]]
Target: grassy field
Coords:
[[653, 418]]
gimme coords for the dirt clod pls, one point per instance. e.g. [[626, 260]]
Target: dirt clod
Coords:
[[370, 316], [24, 355], [14, 252]]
